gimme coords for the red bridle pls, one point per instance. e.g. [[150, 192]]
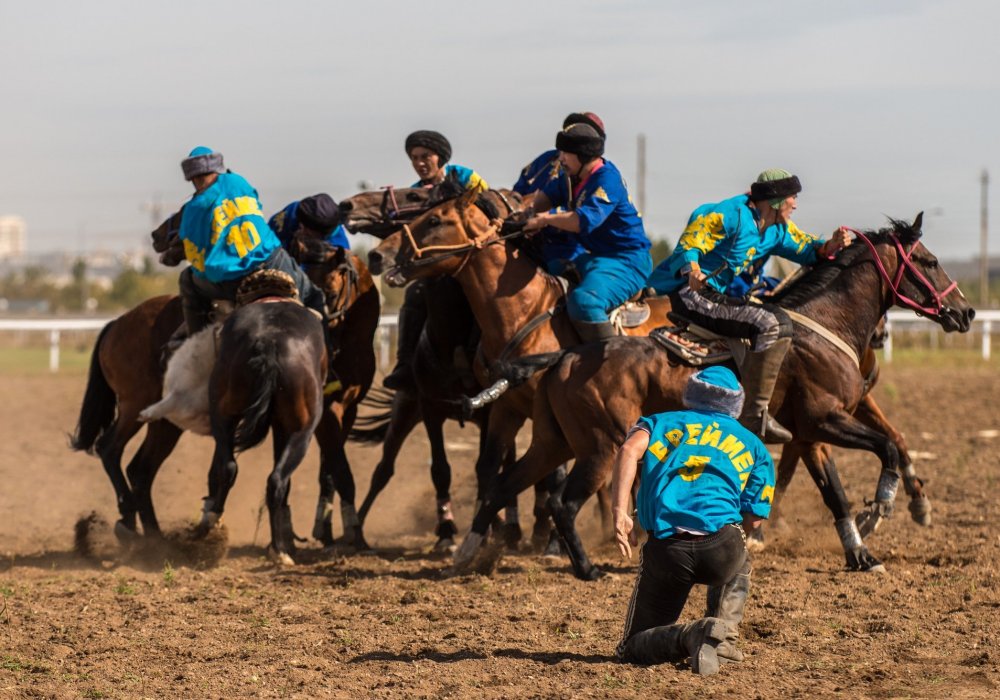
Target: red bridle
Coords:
[[906, 264]]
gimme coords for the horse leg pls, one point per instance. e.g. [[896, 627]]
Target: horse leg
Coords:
[[604, 506], [440, 477], [405, 416], [335, 477], [547, 451], [501, 432], [222, 475], [161, 438], [110, 447], [290, 450], [869, 413], [844, 430], [587, 477], [545, 538]]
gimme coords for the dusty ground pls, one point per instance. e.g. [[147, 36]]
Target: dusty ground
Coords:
[[389, 626]]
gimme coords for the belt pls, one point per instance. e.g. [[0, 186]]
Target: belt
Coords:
[[686, 536]]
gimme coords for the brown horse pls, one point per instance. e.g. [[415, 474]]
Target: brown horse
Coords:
[[126, 375], [586, 403]]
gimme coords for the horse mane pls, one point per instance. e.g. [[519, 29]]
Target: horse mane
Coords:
[[823, 274]]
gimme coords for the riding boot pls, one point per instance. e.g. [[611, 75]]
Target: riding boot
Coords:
[[698, 640], [195, 319], [412, 316], [727, 603], [760, 374], [593, 332]]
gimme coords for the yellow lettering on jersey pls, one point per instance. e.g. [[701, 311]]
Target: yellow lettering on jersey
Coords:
[[743, 462], [693, 467], [674, 437], [599, 193], [219, 223], [767, 494], [711, 435], [704, 233], [243, 237], [731, 446], [693, 431], [659, 450], [743, 480], [194, 255]]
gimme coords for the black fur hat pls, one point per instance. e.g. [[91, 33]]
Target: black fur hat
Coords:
[[581, 140], [586, 118], [319, 213], [714, 389], [432, 141]]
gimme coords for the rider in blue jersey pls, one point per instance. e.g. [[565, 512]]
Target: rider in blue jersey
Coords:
[[723, 241], [317, 215], [429, 153], [594, 205], [704, 480]]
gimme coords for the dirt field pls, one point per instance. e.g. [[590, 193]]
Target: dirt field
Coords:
[[389, 626]]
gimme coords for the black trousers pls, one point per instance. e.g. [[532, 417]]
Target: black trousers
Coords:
[[669, 568], [732, 317]]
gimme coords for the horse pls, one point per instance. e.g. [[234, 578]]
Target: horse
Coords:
[[592, 395], [517, 305], [126, 376], [269, 376]]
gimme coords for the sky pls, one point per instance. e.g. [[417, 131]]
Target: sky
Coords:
[[881, 107]]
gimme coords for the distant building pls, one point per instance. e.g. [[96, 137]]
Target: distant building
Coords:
[[12, 236]]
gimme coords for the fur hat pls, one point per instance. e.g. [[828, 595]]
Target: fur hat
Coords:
[[588, 118], [581, 140], [202, 161], [714, 389], [319, 213], [432, 141], [774, 185]]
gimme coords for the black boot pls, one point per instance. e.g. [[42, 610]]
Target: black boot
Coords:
[[195, 319], [759, 374], [727, 603], [698, 640], [412, 316], [593, 332]]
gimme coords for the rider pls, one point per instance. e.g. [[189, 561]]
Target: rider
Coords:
[[429, 153], [697, 497], [317, 215], [722, 240], [557, 249], [593, 203], [226, 238]]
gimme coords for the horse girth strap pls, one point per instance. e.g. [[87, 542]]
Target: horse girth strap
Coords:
[[528, 328], [826, 333]]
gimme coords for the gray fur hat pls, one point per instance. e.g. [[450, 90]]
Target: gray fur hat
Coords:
[[201, 161], [714, 389]]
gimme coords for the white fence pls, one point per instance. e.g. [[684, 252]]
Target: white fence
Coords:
[[385, 336]]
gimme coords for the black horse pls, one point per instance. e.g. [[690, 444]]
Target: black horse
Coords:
[[269, 376]]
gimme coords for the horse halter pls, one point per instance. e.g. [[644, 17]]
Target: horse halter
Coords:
[[390, 209], [905, 263], [337, 307]]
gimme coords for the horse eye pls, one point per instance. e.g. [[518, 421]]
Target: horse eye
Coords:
[[412, 197], [434, 221]]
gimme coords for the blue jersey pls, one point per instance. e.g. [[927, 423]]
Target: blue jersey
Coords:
[[725, 236], [701, 471], [286, 222], [224, 231], [556, 245], [468, 178], [609, 222]]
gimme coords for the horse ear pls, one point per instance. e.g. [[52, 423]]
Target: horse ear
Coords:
[[468, 198], [918, 224]]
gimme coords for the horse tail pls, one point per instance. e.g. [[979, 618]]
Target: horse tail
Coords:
[[510, 373], [100, 405], [372, 429], [264, 367]]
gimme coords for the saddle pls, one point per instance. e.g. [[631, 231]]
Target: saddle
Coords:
[[633, 313], [696, 346], [269, 285]]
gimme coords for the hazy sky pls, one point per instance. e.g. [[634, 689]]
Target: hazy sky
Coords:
[[882, 107]]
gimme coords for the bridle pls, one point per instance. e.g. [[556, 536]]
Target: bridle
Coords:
[[337, 307], [390, 209], [905, 263]]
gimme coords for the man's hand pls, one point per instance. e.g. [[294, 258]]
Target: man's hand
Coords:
[[535, 224], [696, 280], [840, 239], [625, 534]]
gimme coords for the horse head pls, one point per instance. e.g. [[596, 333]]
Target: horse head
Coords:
[[439, 241], [917, 281], [167, 241], [381, 212], [335, 270]]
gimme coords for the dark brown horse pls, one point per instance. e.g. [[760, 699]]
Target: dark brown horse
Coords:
[[126, 376], [586, 403]]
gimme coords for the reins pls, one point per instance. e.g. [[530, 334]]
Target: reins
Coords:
[[906, 264]]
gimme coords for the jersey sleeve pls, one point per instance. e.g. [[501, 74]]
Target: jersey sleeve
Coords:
[[595, 209], [702, 235], [758, 492], [797, 245]]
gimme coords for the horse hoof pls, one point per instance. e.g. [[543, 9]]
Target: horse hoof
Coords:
[[862, 560], [755, 541], [279, 558], [446, 530], [323, 533], [125, 534], [445, 545], [591, 574], [461, 564], [920, 511]]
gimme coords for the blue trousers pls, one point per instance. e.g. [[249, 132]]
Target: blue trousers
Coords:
[[608, 281]]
